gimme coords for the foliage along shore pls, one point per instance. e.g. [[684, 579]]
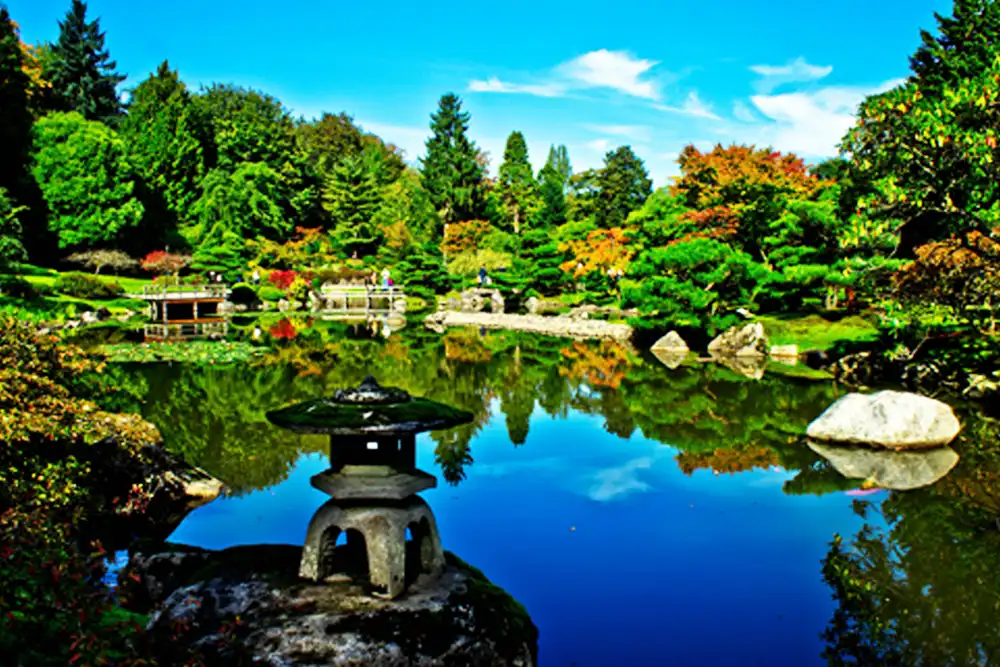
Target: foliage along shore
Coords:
[[903, 223]]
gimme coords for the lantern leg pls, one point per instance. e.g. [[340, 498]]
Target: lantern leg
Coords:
[[387, 556]]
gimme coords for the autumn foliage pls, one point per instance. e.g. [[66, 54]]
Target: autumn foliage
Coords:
[[162, 262], [728, 461], [602, 250], [282, 279], [603, 365], [463, 236], [284, 330]]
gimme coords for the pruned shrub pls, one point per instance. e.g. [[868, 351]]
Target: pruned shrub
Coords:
[[87, 286]]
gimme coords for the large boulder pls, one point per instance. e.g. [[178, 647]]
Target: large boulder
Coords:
[[748, 340], [672, 342], [246, 602], [889, 470], [891, 419]]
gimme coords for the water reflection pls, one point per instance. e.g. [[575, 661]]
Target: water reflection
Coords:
[[698, 472]]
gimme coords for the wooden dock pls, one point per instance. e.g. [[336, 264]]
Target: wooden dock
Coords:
[[182, 312]]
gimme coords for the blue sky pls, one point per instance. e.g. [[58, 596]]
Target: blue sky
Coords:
[[655, 75]]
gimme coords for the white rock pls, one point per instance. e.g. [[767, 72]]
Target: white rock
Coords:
[[785, 352], [892, 419], [748, 340], [889, 470], [672, 341]]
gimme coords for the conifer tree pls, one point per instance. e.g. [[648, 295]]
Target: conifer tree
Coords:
[[453, 174], [352, 198], [516, 186], [553, 210], [15, 118], [969, 41], [164, 145], [623, 186], [559, 160], [82, 73]]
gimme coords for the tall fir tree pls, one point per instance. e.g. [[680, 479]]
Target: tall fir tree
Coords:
[[516, 185], [553, 211], [452, 172], [165, 147], [352, 198], [968, 43], [82, 73], [559, 160], [623, 186], [15, 116]]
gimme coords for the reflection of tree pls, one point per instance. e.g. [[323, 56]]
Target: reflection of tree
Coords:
[[924, 590], [728, 461], [214, 416]]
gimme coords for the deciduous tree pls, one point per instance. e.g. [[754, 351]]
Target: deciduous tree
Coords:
[[85, 178]]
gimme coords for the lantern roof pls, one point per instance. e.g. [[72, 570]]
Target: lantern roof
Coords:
[[368, 409]]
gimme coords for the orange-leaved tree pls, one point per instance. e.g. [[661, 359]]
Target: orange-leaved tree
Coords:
[[602, 251]]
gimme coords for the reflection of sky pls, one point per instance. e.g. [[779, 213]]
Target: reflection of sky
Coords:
[[619, 557]]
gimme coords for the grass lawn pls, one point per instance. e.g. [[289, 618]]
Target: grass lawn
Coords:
[[814, 332]]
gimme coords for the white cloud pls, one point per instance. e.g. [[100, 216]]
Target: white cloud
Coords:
[[623, 480], [796, 70], [692, 106], [618, 70], [495, 85], [811, 124], [638, 132], [742, 112], [599, 144]]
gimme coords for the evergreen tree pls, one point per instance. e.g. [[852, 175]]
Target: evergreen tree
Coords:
[[423, 272], [968, 44], [11, 248], [15, 117], [164, 146], [352, 198], [452, 171], [516, 186], [553, 210], [82, 74], [624, 185], [541, 259], [559, 160]]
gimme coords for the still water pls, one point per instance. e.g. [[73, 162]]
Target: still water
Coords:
[[642, 515]]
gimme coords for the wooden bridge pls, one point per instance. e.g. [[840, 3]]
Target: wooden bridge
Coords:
[[350, 299], [181, 312]]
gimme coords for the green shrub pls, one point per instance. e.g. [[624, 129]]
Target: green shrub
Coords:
[[339, 274], [243, 294], [18, 288], [86, 286], [270, 293]]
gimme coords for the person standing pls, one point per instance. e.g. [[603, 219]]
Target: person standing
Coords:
[[385, 278], [256, 277], [482, 276]]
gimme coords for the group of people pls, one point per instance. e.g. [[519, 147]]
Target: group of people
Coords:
[[372, 280]]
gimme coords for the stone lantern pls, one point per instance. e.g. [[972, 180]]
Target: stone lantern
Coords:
[[373, 481]]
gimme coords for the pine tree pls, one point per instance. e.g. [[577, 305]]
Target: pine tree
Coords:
[[83, 75], [423, 272], [553, 211], [15, 116], [542, 258], [968, 44], [453, 175], [164, 145], [352, 198], [516, 184], [623, 185], [559, 160]]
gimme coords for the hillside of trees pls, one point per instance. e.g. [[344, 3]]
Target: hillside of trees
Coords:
[[904, 221]]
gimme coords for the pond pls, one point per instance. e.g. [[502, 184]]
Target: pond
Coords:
[[642, 515]]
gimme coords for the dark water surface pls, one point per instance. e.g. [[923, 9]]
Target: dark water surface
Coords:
[[642, 515]]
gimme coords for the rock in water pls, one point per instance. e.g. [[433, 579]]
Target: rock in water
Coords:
[[748, 340], [785, 353], [890, 470], [459, 618], [892, 419], [672, 342]]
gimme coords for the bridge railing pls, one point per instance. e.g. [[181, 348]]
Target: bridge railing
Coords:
[[214, 290]]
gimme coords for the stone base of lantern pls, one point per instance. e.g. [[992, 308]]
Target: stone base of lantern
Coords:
[[383, 526], [367, 482]]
